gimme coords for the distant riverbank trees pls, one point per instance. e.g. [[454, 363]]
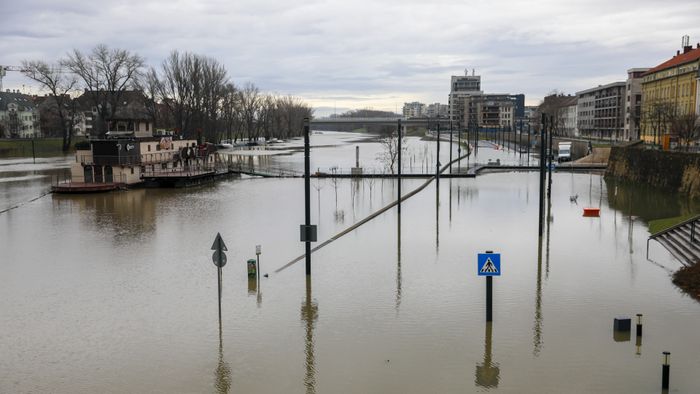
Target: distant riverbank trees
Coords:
[[188, 93]]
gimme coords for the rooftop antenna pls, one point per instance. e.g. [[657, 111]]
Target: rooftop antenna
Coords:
[[685, 41], [473, 72], [466, 72]]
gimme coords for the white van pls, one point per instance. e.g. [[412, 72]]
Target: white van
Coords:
[[564, 152]]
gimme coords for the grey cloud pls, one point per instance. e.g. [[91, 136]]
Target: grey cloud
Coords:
[[367, 50]]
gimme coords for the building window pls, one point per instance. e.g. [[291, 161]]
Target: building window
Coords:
[[149, 147]]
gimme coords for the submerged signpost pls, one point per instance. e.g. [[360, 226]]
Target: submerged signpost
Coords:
[[489, 265], [219, 259]]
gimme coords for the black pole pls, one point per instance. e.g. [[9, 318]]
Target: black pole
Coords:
[[520, 142], [437, 160], [489, 298], [307, 195], [542, 170], [33, 152], [398, 132], [550, 156], [219, 280], [459, 146], [665, 372], [450, 147], [528, 144]]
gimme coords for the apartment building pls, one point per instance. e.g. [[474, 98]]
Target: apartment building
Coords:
[[601, 111], [19, 116], [633, 103]]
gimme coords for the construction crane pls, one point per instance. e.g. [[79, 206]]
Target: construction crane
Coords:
[[5, 69]]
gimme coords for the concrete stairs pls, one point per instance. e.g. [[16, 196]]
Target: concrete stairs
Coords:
[[677, 240]]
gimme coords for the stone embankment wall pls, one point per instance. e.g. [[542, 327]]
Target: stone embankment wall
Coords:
[[672, 171]]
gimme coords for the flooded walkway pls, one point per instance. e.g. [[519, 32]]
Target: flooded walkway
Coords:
[[117, 292]]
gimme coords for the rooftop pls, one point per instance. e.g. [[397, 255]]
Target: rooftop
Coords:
[[689, 54]]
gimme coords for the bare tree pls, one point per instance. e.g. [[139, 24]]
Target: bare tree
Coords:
[[230, 112], [151, 87], [105, 74], [249, 98], [686, 128], [59, 85], [658, 115], [390, 150]]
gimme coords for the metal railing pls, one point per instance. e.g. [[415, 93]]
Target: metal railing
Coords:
[[690, 221]]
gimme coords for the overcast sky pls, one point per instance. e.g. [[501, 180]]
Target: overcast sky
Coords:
[[363, 53]]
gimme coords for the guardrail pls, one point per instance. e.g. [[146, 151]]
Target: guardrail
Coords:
[[690, 221]]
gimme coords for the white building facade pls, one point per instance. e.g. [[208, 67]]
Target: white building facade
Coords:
[[633, 103], [19, 116], [462, 87]]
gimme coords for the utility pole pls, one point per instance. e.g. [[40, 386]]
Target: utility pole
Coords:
[[437, 159], [550, 156], [450, 147], [398, 132], [542, 171], [307, 196]]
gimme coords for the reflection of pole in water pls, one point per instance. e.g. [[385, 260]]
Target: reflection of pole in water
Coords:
[[309, 315], [450, 197], [222, 374], [437, 217], [537, 334], [398, 264], [487, 374], [550, 219]]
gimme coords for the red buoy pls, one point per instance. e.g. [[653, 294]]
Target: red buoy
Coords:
[[591, 212]]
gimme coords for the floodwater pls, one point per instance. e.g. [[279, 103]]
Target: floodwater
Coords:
[[116, 293]]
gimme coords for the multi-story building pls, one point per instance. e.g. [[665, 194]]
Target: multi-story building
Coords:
[[633, 103], [437, 110], [601, 111], [697, 97], [489, 111], [414, 110], [19, 116], [669, 89], [462, 87], [569, 117]]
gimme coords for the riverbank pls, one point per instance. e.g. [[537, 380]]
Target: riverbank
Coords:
[[42, 147], [688, 279]]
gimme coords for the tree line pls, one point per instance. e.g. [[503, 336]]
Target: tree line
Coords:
[[188, 93]]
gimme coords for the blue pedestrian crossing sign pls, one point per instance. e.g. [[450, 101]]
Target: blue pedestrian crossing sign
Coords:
[[489, 264]]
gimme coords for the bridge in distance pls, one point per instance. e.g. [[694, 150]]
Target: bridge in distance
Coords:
[[382, 121]]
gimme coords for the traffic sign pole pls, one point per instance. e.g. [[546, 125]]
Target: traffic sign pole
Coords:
[[489, 265], [489, 298], [219, 260]]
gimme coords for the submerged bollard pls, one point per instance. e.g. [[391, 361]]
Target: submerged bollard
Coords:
[[666, 371], [252, 271], [639, 324]]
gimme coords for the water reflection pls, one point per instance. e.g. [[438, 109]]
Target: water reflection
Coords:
[[647, 203], [437, 217], [128, 215], [537, 328], [398, 263], [309, 315], [487, 374], [222, 374]]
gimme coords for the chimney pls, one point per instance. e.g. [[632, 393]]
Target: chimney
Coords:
[[678, 53], [687, 49]]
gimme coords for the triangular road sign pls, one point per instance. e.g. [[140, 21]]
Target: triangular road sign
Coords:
[[218, 243], [489, 267]]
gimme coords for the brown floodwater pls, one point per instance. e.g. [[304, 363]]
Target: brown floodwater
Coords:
[[117, 293]]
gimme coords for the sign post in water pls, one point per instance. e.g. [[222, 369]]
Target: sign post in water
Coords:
[[489, 265]]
